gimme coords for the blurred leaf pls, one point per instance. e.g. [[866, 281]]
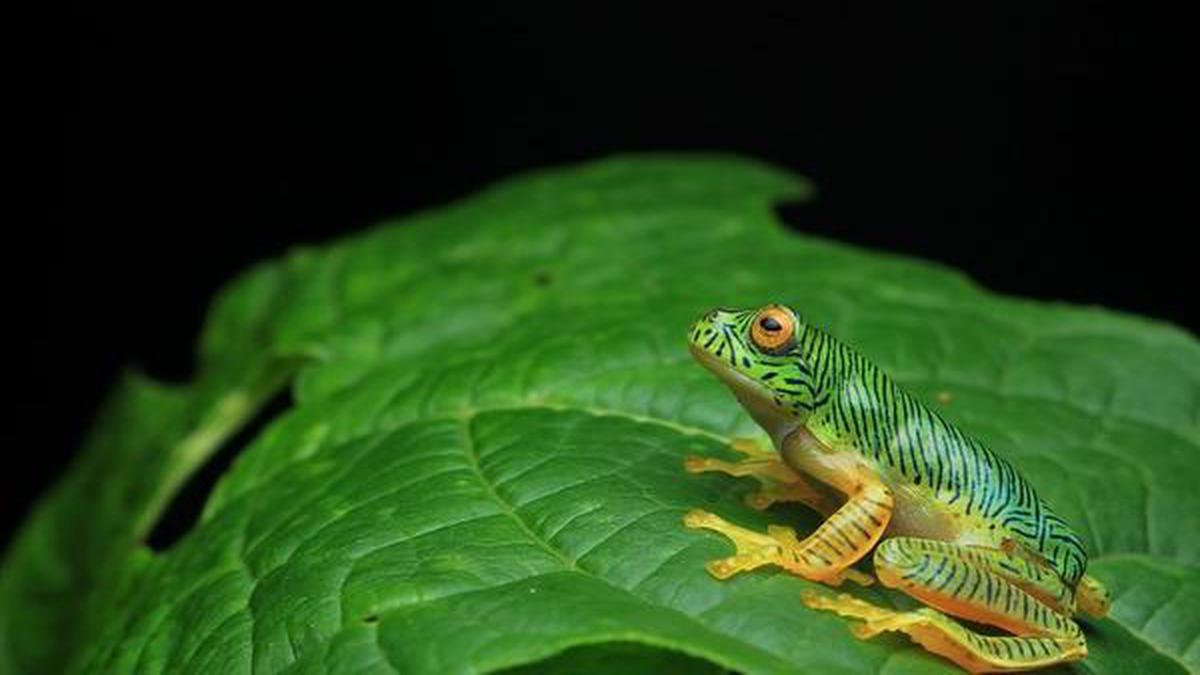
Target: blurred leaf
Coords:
[[482, 470]]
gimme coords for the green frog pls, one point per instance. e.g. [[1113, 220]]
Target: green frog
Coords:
[[950, 522]]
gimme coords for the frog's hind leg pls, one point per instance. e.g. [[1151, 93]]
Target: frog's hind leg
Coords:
[[780, 483], [825, 555], [979, 585], [946, 637]]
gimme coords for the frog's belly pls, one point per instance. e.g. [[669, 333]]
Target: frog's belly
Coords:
[[915, 515], [918, 514]]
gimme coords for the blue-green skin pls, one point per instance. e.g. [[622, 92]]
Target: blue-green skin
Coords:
[[948, 485]]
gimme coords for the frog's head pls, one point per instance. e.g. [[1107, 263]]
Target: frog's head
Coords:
[[758, 354]]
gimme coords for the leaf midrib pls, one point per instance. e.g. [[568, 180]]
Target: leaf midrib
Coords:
[[508, 509]]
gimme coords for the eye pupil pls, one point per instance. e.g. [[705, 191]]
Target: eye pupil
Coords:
[[769, 324]]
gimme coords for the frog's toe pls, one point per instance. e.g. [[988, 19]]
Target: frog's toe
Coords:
[[723, 568], [760, 501], [751, 448], [745, 540], [800, 492], [697, 464], [845, 605], [863, 630], [870, 616], [774, 492], [860, 578], [699, 518], [783, 534], [869, 629]]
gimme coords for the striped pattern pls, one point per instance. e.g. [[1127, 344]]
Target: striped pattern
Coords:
[[984, 653], [837, 392], [942, 635], [975, 584], [842, 539]]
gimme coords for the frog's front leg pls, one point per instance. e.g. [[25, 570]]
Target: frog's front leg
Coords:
[[780, 483], [981, 585], [825, 555]]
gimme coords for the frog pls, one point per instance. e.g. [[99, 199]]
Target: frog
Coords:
[[946, 520]]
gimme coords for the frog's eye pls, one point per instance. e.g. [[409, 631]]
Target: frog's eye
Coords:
[[773, 329]]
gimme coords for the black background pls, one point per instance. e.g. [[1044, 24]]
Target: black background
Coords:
[[1040, 147]]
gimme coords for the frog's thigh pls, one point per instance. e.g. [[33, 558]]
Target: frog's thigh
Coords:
[[956, 580]]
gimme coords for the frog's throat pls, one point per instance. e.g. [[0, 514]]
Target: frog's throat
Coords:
[[754, 396]]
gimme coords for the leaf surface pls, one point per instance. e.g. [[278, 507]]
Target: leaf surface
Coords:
[[482, 469]]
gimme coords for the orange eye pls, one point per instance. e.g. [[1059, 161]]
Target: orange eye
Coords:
[[773, 329]]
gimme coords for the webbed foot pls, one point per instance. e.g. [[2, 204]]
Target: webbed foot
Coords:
[[780, 483]]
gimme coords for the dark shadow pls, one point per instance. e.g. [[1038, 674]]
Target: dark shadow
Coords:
[[185, 508], [634, 659]]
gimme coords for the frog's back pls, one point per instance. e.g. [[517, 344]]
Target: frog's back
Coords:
[[913, 443]]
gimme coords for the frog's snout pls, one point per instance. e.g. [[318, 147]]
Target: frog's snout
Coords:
[[699, 328], [707, 336], [707, 327]]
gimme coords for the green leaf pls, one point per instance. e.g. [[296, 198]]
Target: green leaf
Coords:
[[482, 469]]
